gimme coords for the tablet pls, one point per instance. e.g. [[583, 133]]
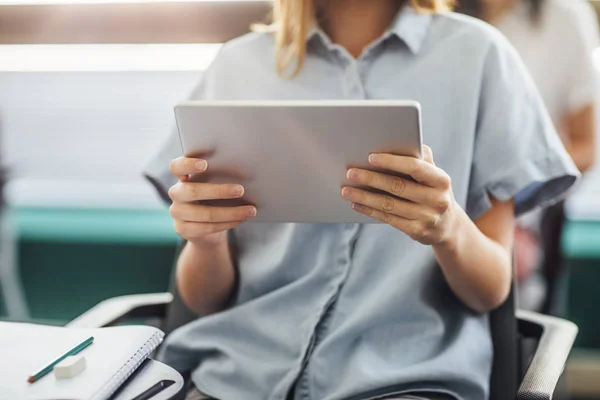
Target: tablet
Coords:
[[292, 156]]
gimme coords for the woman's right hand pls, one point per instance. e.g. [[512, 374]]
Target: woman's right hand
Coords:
[[200, 224]]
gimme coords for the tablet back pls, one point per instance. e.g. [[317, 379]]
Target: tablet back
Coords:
[[292, 157]]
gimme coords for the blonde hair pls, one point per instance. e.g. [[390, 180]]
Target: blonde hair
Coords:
[[292, 19]]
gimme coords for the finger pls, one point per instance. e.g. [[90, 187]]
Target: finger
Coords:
[[182, 167], [428, 154], [397, 222], [385, 203], [191, 191], [395, 185], [199, 213], [419, 170], [190, 230]]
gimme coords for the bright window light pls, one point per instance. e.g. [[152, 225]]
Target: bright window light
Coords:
[[107, 57], [596, 58]]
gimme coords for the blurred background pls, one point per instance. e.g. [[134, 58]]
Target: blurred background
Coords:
[[87, 89]]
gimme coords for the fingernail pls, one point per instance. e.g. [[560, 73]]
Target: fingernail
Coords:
[[357, 207], [252, 212], [237, 190], [201, 165], [346, 192], [373, 158], [352, 174]]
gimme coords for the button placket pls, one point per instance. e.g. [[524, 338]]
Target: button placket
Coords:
[[350, 78], [349, 234], [353, 81]]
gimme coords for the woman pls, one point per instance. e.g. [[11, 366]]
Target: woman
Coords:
[[394, 310], [555, 39]]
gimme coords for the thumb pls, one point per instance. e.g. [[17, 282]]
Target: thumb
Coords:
[[428, 154]]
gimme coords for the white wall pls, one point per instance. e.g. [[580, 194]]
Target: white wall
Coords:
[[85, 131], [82, 137]]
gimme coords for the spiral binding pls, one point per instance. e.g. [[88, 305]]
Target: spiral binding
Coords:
[[129, 368]]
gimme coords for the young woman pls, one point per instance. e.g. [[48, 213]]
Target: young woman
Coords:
[[350, 311], [555, 39]]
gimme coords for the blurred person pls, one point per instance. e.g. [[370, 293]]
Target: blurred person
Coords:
[[555, 39], [390, 311]]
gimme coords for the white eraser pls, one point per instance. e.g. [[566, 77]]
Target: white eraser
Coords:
[[69, 367]]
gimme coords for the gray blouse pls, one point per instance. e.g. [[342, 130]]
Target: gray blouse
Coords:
[[350, 311]]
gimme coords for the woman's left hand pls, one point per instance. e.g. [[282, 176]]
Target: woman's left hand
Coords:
[[423, 209]]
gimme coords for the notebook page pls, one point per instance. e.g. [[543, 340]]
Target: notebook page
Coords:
[[25, 348]]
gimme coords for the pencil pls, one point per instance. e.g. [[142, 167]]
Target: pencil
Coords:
[[45, 370]]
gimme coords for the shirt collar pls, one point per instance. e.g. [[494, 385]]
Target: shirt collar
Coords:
[[409, 26]]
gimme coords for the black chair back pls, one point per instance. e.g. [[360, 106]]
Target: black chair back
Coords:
[[506, 372], [553, 266]]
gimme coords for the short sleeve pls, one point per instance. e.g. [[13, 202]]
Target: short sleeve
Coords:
[[517, 152], [580, 37], [157, 169]]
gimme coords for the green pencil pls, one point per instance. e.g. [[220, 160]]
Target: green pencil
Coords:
[[45, 370]]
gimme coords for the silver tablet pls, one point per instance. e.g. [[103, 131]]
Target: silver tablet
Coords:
[[292, 156]]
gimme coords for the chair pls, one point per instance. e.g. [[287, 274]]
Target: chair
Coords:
[[553, 221], [12, 295], [516, 374]]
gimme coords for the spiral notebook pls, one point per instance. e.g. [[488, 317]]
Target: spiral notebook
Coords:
[[115, 354]]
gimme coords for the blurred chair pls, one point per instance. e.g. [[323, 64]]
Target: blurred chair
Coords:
[[11, 289], [90, 254], [578, 295], [553, 266]]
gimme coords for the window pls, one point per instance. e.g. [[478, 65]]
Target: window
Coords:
[[107, 57]]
